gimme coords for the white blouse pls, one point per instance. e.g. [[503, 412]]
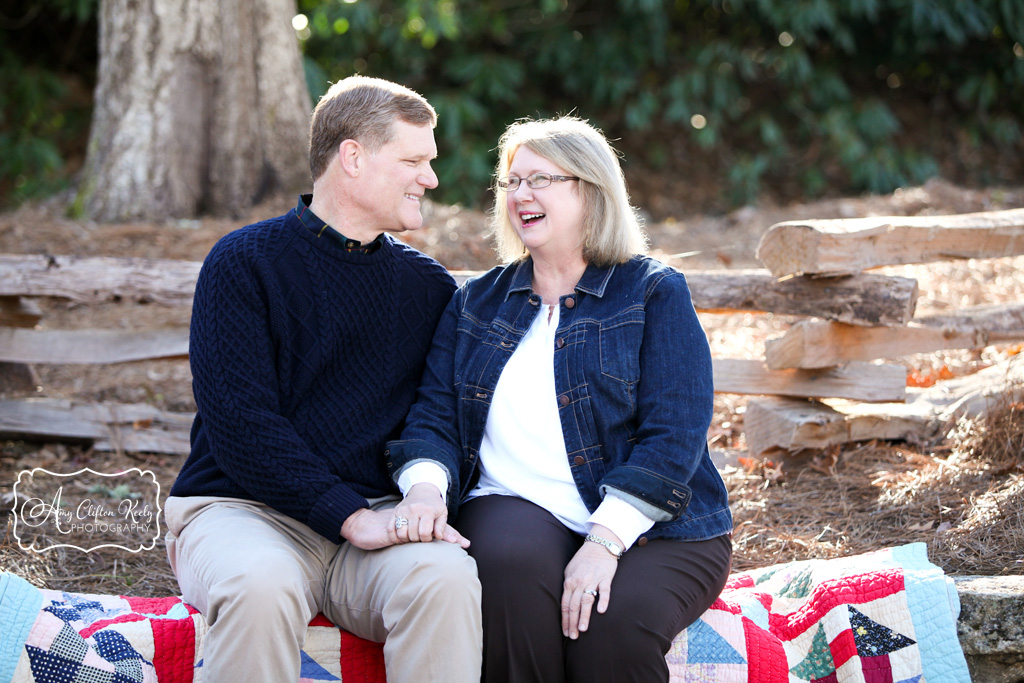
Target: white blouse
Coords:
[[523, 450]]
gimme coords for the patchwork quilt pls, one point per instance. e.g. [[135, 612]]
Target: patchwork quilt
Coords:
[[883, 617]]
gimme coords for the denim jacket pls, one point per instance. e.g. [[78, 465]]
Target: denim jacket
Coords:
[[633, 385]]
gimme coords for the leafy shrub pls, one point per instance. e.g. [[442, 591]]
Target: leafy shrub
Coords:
[[46, 46], [807, 91]]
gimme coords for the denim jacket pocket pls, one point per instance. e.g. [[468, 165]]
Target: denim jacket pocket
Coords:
[[620, 339]]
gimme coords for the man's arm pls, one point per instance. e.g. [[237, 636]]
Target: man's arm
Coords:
[[236, 390]]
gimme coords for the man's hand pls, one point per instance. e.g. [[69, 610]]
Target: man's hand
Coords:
[[370, 529], [426, 515]]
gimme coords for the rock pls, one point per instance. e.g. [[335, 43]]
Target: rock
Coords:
[[991, 627]]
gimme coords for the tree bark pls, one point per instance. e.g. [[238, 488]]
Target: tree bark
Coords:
[[201, 107]]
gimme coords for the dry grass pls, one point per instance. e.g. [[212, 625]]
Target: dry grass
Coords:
[[101, 570], [965, 500]]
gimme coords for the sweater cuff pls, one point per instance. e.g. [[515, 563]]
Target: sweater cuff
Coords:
[[622, 518], [332, 509]]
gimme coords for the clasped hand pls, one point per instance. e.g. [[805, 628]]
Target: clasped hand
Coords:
[[426, 515]]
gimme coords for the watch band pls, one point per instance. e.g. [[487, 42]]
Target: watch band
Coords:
[[613, 548]]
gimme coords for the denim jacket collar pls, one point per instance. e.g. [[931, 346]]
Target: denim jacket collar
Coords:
[[593, 282]]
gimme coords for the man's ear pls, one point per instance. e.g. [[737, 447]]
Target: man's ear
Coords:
[[350, 155]]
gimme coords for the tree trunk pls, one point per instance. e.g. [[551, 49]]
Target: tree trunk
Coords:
[[201, 107]]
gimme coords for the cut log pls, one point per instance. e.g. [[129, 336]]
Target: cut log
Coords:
[[774, 423], [858, 300], [136, 428], [92, 346], [810, 344], [97, 279], [16, 311], [855, 381], [993, 317], [853, 245]]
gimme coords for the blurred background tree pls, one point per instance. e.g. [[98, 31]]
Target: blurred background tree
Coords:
[[200, 108], [714, 103]]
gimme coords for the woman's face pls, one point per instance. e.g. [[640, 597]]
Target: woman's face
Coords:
[[549, 220]]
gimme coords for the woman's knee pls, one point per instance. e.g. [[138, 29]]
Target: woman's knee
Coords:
[[619, 650]]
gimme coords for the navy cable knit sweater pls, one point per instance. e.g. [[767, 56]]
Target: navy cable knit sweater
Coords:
[[305, 360]]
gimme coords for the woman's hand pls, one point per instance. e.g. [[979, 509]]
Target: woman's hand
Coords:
[[422, 516], [592, 568]]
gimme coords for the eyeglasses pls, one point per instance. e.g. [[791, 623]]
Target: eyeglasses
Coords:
[[534, 182]]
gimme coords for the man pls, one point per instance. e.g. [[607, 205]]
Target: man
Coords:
[[309, 333]]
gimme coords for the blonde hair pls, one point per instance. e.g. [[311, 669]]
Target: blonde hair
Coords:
[[612, 230], [363, 109]]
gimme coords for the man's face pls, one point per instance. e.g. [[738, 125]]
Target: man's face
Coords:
[[396, 177]]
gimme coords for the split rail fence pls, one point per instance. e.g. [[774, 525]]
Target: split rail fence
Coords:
[[850, 320]]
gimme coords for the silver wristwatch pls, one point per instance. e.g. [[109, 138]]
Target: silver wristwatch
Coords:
[[613, 548]]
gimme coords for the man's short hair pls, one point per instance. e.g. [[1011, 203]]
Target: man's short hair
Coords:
[[362, 109]]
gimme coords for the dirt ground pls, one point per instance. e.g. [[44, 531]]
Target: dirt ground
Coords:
[[963, 495]]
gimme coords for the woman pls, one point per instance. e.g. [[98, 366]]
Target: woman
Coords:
[[563, 417]]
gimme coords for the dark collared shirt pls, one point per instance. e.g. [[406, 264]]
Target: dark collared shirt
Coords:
[[316, 226]]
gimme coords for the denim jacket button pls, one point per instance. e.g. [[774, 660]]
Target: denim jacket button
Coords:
[[642, 541], [570, 302], [563, 399], [579, 460], [560, 342]]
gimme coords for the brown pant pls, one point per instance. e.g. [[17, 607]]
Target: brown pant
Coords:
[[259, 577], [521, 551]]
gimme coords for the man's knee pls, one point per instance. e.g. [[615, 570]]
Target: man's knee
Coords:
[[274, 591], [445, 567]]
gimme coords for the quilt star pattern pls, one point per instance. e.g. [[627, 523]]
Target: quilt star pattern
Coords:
[[882, 617]]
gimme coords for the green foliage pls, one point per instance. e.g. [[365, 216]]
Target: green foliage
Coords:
[[815, 96], [41, 118], [805, 91], [29, 157]]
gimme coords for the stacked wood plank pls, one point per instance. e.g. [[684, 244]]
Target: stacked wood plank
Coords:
[[814, 269], [829, 249], [863, 299]]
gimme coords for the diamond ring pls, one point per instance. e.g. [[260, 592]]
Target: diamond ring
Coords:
[[591, 591], [400, 522]]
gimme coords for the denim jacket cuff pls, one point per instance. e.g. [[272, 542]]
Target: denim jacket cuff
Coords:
[[401, 455], [645, 508], [651, 488]]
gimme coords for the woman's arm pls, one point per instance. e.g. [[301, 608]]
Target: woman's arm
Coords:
[[425, 461], [674, 406]]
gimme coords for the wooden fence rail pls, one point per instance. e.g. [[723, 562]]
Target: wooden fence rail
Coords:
[[814, 272]]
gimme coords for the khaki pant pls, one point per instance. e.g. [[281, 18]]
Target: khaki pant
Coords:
[[259, 577]]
